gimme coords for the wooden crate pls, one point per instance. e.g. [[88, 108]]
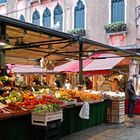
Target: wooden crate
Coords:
[[116, 118], [118, 104], [119, 111], [42, 119]]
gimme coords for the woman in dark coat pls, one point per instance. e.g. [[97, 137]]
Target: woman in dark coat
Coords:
[[131, 96]]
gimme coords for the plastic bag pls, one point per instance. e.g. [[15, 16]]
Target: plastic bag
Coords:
[[84, 112]]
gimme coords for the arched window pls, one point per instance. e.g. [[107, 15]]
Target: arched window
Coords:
[[47, 18], [117, 10], [2, 1], [58, 16], [21, 18], [79, 15], [36, 18]]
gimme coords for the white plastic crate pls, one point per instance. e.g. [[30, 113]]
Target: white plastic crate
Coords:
[[42, 119]]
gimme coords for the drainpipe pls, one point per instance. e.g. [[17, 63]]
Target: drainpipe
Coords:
[[134, 72]]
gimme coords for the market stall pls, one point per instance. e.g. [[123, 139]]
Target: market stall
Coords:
[[17, 105], [24, 43]]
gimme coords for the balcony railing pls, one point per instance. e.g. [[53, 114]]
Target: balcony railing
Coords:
[[115, 27]]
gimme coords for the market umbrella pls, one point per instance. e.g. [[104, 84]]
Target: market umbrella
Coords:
[[26, 69], [95, 64], [72, 66]]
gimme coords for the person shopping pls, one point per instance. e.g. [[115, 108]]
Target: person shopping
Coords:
[[67, 84], [131, 96]]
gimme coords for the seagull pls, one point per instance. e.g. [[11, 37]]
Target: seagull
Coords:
[[56, 26]]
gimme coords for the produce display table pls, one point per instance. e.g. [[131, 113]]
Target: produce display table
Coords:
[[16, 128], [20, 128], [73, 123]]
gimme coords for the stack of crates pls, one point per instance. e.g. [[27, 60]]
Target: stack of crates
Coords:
[[116, 111]]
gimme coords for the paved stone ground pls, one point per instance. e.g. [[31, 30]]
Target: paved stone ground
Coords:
[[129, 130]]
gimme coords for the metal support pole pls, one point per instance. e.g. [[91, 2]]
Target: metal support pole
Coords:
[[80, 62], [2, 37], [2, 58]]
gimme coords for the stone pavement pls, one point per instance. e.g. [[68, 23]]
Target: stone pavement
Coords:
[[129, 130]]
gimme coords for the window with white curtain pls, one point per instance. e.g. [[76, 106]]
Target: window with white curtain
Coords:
[[47, 18], [58, 16], [79, 15], [22, 18], [36, 18]]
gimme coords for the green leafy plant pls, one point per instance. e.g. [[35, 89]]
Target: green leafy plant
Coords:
[[115, 27], [78, 31]]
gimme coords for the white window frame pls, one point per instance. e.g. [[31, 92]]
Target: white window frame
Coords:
[[75, 3], [125, 11]]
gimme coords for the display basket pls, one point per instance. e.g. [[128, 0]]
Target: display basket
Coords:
[[72, 102], [41, 119]]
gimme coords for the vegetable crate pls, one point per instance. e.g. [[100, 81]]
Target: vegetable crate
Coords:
[[41, 119], [72, 102]]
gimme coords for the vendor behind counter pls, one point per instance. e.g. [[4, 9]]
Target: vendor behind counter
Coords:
[[115, 84]]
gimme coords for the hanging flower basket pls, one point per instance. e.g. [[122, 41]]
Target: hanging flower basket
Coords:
[[115, 27], [78, 31]]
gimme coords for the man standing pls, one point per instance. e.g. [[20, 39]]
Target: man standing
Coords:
[[131, 96]]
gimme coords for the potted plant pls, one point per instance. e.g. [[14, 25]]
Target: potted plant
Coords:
[[78, 31], [115, 27]]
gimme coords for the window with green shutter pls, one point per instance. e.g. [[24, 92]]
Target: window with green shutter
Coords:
[[2, 1], [117, 10]]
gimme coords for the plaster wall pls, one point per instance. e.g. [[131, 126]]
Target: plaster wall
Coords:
[[97, 15], [3, 9], [42, 7]]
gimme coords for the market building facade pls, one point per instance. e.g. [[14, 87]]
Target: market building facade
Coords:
[[26, 41], [94, 19]]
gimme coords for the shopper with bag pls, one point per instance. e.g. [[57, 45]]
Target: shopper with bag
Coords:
[[131, 96]]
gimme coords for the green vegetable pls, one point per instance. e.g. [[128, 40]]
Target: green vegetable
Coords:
[[46, 108]]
